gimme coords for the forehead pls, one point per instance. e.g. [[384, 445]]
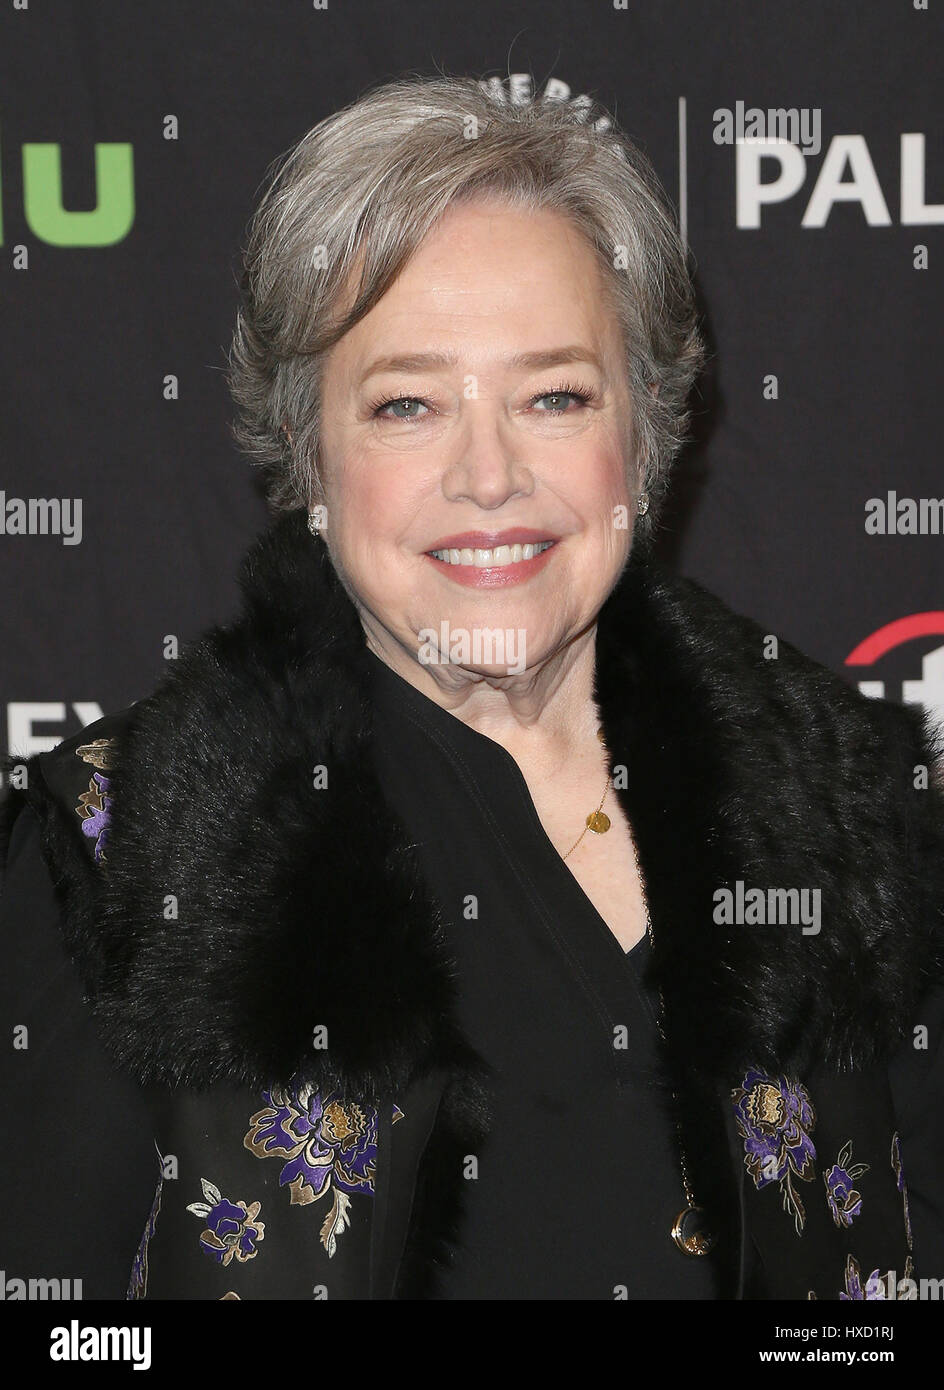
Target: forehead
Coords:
[[490, 281]]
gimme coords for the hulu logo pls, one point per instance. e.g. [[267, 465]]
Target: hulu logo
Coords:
[[108, 222]]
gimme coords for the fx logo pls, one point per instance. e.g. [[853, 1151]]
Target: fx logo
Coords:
[[21, 716], [928, 690]]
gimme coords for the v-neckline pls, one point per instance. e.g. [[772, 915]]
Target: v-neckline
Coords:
[[471, 751]]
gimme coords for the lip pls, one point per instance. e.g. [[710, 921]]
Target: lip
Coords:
[[495, 576], [489, 540]]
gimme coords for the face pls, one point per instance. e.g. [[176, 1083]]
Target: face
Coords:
[[475, 433]]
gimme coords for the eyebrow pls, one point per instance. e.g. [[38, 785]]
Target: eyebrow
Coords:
[[427, 361]]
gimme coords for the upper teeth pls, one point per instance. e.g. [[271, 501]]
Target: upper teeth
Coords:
[[490, 559]]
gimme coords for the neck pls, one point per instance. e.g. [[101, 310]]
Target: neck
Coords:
[[539, 712]]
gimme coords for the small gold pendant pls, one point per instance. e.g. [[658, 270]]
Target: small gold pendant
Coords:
[[598, 822], [690, 1233]]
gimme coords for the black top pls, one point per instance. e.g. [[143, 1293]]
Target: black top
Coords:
[[78, 1164], [579, 1183]]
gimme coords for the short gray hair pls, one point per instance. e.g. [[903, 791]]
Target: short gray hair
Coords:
[[367, 184]]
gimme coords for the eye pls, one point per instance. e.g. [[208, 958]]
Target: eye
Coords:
[[561, 400], [411, 406]]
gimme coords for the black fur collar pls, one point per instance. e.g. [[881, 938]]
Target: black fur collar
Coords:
[[299, 908]]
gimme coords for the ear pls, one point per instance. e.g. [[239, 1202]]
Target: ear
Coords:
[[287, 432]]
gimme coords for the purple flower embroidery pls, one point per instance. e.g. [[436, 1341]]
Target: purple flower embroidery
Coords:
[[232, 1229], [873, 1290], [93, 804], [137, 1287], [902, 1187], [774, 1117], [844, 1202], [329, 1144], [93, 807]]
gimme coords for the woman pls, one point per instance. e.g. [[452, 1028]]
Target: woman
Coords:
[[483, 914]]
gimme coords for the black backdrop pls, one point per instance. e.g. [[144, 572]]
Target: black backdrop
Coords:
[[842, 306]]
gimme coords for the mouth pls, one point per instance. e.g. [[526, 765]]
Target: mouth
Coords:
[[479, 559], [496, 557]]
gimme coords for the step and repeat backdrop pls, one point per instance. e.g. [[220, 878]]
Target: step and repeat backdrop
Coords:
[[802, 144]]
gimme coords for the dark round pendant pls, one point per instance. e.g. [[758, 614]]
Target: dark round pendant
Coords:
[[690, 1232]]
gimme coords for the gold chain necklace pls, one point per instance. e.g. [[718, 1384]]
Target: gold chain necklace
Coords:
[[690, 1231], [597, 821]]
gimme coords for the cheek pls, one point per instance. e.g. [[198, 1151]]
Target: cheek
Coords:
[[600, 480], [356, 493], [606, 503], [371, 508], [613, 462], [379, 500]]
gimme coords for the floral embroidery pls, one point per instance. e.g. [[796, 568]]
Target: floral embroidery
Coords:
[[137, 1287], [907, 1274], [231, 1227], [100, 753], [329, 1144], [877, 1286], [873, 1289], [845, 1202], [902, 1187], [93, 807], [93, 804], [775, 1116]]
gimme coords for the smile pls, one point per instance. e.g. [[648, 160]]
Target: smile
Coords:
[[493, 566], [497, 558]]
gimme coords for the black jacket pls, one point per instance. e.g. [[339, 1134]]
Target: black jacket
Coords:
[[266, 971]]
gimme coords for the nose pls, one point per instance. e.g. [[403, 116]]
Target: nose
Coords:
[[485, 468]]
